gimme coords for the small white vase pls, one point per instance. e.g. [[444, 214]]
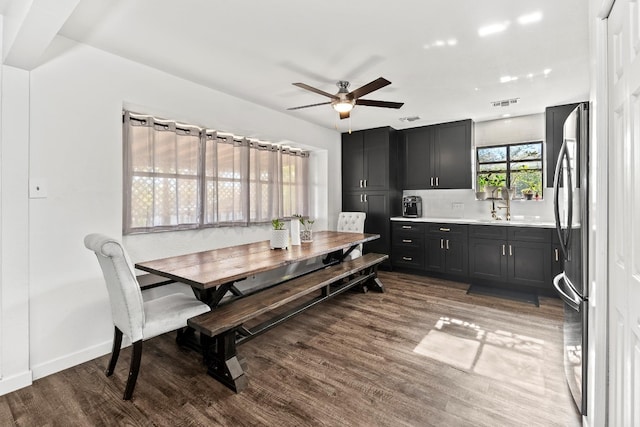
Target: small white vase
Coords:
[[279, 239], [295, 232]]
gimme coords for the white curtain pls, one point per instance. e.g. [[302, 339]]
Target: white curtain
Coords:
[[161, 189], [179, 176]]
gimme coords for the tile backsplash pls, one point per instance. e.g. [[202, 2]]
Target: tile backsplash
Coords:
[[463, 204]]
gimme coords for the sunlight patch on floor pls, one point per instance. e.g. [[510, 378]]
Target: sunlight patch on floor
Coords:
[[498, 354]]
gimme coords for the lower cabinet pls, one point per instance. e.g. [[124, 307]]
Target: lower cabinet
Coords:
[[408, 245], [446, 249], [518, 255], [522, 257]]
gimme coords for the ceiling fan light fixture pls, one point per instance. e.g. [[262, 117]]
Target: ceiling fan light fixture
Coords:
[[343, 106]]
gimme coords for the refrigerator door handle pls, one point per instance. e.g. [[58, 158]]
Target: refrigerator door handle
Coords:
[[572, 301], [570, 189], [556, 199]]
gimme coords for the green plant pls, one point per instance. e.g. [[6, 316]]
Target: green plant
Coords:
[[277, 224], [307, 223], [483, 180], [496, 180], [527, 180]]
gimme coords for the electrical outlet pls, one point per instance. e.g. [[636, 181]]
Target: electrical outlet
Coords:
[[457, 207], [37, 190]]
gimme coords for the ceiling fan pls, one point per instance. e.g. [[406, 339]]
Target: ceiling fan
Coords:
[[344, 101]]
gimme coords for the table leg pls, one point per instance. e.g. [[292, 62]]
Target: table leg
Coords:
[[222, 361]]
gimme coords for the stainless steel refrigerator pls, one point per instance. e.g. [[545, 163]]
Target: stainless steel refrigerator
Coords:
[[571, 208]]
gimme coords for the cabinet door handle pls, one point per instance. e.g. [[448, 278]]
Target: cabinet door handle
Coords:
[[503, 250], [510, 251], [441, 243], [445, 229], [365, 183], [447, 244], [407, 241], [557, 255], [437, 181], [406, 227], [407, 258], [361, 200], [365, 198], [432, 181]]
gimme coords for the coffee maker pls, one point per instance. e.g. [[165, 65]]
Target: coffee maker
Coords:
[[412, 206]]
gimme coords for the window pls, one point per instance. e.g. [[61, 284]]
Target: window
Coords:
[[180, 176], [517, 166]]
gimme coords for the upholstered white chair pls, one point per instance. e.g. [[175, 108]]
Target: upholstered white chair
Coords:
[[352, 222], [133, 317]]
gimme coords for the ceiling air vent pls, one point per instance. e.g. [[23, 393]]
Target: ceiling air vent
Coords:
[[505, 102], [409, 119]]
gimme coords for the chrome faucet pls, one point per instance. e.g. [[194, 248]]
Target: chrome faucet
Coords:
[[507, 206]]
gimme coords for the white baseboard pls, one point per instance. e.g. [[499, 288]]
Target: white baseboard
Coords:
[[15, 382], [70, 360]]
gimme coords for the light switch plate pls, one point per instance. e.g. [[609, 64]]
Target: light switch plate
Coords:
[[37, 189]]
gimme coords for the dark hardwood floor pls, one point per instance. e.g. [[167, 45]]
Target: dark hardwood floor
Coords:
[[423, 354]]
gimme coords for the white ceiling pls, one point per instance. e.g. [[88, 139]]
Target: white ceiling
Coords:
[[255, 49]]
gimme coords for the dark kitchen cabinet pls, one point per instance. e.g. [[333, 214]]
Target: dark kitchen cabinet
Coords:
[[366, 161], [369, 181], [437, 156], [516, 255], [487, 253], [407, 245], [446, 249], [554, 123]]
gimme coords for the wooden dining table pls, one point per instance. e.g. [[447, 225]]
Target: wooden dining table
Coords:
[[213, 273]]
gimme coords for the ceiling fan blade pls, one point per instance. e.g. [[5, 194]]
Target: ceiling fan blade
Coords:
[[372, 103], [344, 115], [313, 89], [310, 105], [368, 88]]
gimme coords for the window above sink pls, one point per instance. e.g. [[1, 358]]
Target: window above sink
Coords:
[[515, 166]]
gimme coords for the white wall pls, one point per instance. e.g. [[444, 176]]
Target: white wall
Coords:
[[75, 152], [14, 250]]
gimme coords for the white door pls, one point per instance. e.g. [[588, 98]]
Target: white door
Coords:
[[624, 213]]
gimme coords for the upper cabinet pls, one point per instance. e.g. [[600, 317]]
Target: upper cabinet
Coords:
[[554, 118], [437, 156], [366, 160]]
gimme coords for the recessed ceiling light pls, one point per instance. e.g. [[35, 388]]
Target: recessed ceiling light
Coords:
[[476, 89], [439, 43], [547, 71], [530, 18], [493, 28], [530, 75], [507, 79], [452, 42]]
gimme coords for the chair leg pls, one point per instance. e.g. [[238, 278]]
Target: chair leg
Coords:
[[115, 351], [133, 371]]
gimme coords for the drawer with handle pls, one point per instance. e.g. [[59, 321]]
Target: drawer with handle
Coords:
[[408, 241], [407, 227], [407, 258], [449, 229]]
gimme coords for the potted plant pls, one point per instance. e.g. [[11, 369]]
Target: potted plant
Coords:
[[494, 184], [483, 180], [306, 234], [279, 235], [528, 192]]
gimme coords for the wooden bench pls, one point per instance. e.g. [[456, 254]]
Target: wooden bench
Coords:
[[221, 329]]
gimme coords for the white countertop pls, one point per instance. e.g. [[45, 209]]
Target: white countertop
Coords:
[[515, 222]]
